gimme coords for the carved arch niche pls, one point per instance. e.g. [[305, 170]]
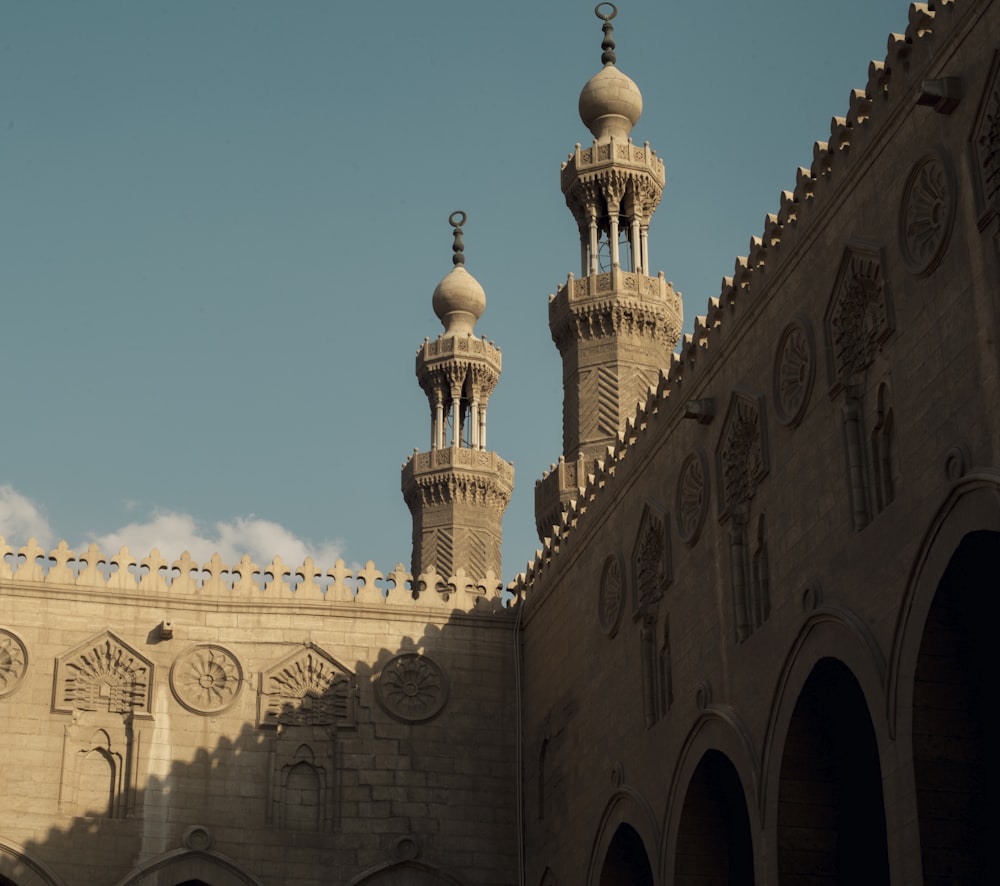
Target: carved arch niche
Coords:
[[985, 144], [305, 698], [106, 686], [742, 464]]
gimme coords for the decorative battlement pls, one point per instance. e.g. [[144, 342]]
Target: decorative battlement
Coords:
[[245, 582], [458, 345], [558, 488], [615, 302]]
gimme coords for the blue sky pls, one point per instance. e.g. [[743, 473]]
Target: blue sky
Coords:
[[221, 225]]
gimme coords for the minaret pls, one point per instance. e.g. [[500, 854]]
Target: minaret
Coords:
[[457, 492], [614, 325]]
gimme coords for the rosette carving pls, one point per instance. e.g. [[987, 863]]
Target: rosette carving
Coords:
[[412, 687], [206, 679], [926, 215], [692, 497], [794, 370], [611, 598], [13, 662]]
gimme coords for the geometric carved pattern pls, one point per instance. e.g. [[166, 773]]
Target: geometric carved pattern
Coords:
[[13, 662], [606, 401], [411, 687], [307, 688], [650, 559], [926, 215], [206, 679], [742, 453], [859, 317], [692, 497], [794, 369], [611, 599], [104, 674]]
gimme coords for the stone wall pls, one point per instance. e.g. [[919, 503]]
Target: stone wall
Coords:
[[752, 622]]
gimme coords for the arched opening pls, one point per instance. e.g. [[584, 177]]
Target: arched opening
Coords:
[[714, 845], [955, 778], [831, 812], [626, 863], [302, 795]]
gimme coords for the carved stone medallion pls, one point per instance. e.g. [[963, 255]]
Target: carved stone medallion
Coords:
[[742, 452], [411, 687], [13, 662], [611, 599], [926, 215], [692, 497], [206, 679], [794, 370], [104, 674]]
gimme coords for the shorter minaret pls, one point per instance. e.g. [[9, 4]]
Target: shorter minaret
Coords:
[[616, 324], [458, 491]]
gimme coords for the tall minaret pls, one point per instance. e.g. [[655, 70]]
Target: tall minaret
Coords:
[[458, 491], [615, 325]]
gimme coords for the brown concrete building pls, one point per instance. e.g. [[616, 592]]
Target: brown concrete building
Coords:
[[752, 650]]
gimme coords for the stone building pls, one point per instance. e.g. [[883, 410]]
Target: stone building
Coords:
[[752, 648]]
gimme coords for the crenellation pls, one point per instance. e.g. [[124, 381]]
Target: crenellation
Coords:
[[859, 107], [840, 134], [215, 580], [878, 80], [921, 21], [822, 160]]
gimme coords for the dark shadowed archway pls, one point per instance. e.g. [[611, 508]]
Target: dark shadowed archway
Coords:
[[714, 844], [626, 862], [956, 780], [831, 812]]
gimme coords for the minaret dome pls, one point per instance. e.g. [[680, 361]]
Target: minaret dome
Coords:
[[610, 102], [459, 300]]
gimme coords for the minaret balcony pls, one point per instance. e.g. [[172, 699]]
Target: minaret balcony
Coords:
[[586, 162], [441, 474]]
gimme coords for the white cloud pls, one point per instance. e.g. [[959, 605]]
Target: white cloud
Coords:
[[21, 519], [172, 533]]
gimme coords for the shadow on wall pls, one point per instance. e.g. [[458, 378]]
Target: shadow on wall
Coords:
[[346, 776]]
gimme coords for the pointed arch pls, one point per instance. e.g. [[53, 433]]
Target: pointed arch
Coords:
[[405, 873], [628, 824], [935, 692], [856, 687], [717, 731], [182, 865], [21, 868]]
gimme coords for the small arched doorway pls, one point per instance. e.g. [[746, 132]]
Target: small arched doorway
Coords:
[[713, 839], [831, 811], [956, 780], [626, 862]]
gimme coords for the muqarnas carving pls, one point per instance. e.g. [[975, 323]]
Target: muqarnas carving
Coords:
[[651, 567], [743, 464], [206, 679], [692, 497], [794, 371], [411, 687], [926, 214], [106, 686], [103, 674], [985, 141], [307, 697], [13, 662], [742, 453], [859, 315], [611, 597], [308, 688]]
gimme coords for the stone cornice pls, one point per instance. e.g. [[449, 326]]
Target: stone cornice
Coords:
[[444, 476]]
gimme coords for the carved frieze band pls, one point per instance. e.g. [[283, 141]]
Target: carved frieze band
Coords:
[[13, 662], [926, 214], [611, 597], [794, 371], [412, 687], [206, 679], [692, 497]]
